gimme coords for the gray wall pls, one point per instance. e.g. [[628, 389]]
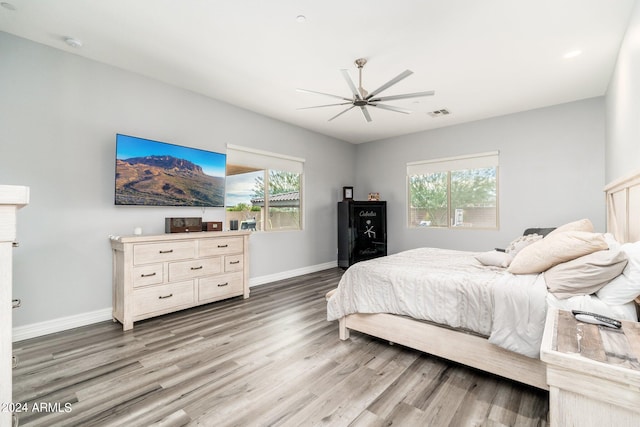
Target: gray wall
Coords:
[[58, 118], [551, 172], [623, 106], [59, 114]]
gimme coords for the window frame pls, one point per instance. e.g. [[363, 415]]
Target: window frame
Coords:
[[448, 165], [266, 161]]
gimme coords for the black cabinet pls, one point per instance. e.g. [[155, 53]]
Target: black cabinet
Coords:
[[362, 231]]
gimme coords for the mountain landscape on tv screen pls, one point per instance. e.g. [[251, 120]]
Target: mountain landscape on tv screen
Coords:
[[166, 181]]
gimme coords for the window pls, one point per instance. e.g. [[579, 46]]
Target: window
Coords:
[[263, 190], [454, 192]]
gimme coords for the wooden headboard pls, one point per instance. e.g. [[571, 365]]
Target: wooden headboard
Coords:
[[623, 208], [623, 211]]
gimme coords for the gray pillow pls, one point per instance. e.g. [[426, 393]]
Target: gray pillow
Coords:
[[541, 231], [585, 275]]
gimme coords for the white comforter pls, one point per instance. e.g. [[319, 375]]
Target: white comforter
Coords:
[[451, 288]]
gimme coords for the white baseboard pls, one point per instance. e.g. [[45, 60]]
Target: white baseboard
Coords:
[[62, 324], [257, 281]]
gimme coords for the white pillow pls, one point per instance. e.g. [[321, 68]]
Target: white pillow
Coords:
[[614, 245], [554, 249], [625, 287], [495, 259]]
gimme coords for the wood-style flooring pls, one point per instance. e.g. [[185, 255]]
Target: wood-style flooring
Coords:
[[270, 360]]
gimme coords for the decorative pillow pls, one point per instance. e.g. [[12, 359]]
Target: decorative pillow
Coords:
[[585, 275], [580, 225], [495, 259], [521, 242], [626, 287], [554, 249]]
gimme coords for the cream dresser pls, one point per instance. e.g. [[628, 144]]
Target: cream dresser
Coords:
[[160, 274], [12, 198]]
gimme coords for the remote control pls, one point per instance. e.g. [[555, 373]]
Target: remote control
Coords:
[[596, 319]]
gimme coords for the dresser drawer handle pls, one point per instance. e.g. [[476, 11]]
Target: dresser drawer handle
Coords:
[[14, 361], [234, 262], [165, 296], [196, 268], [220, 285], [166, 252], [148, 275], [16, 303], [223, 246]]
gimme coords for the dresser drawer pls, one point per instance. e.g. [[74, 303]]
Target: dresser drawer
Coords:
[[194, 268], [233, 263], [221, 286], [221, 246], [162, 297], [158, 252], [147, 275]]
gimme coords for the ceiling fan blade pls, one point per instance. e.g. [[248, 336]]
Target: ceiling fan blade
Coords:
[[365, 113], [387, 85], [352, 86], [321, 106], [403, 96], [325, 94], [341, 113], [390, 108]]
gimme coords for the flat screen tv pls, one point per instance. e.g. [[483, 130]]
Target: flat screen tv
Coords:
[[153, 173]]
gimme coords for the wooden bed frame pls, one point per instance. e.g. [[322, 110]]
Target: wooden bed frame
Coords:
[[623, 221]]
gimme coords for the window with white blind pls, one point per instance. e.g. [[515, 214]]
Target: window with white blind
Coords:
[[263, 190], [460, 192]]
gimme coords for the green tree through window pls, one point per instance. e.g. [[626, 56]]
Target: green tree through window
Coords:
[[465, 197]]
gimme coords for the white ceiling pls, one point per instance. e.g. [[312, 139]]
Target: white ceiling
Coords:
[[483, 58]]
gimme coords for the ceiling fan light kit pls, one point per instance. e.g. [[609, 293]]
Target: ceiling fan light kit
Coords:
[[363, 99]]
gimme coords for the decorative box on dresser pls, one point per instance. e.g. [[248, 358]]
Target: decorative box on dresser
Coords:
[[12, 198], [160, 274], [595, 383]]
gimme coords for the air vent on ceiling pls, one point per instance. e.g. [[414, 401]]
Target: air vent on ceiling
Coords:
[[439, 113]]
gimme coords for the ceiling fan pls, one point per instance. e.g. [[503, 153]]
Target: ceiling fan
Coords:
[[363, 99]]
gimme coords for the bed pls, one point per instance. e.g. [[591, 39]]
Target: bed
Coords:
[[413, 298]]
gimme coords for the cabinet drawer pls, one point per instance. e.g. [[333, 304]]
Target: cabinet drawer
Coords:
[[221, 246], [194, 268], [218, 287], [162, 297], [158, 252], [147, 275], [233, 263]]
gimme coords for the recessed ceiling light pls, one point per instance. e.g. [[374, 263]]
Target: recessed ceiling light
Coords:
[[75, 43], [7, 5], [572, 54], [301, 18]]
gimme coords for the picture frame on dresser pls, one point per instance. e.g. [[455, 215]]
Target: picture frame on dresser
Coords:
[[347, 193]]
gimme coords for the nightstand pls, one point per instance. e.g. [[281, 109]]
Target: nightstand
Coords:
[[598, 385]]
